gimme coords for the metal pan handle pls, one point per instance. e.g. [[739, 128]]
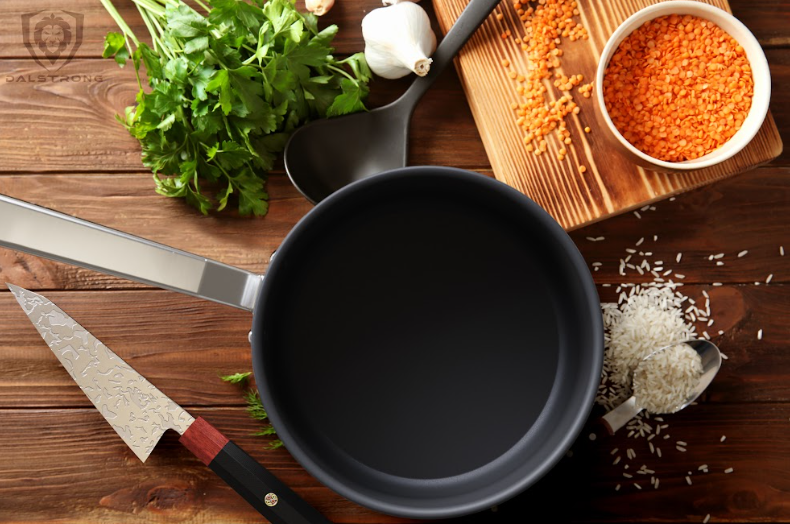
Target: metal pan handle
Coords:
[[49, 234]]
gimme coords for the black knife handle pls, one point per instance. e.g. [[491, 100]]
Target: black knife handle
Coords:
[[273, 499]]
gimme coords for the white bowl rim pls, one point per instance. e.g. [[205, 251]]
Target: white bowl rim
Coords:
[[758, 64]]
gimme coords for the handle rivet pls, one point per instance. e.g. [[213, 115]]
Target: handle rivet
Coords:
[[271, 499]]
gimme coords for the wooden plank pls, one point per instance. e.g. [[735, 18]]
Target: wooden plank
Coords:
[[764, 17], [748, 212], [182, 344], [97, 23], [68, 466], [611, 184], [756, 448], [70, 126]]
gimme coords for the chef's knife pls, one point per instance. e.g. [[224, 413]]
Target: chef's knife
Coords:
[[140, 413]]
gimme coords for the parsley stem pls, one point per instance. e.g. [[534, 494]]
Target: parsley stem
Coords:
[[127, 32], [342, 72]]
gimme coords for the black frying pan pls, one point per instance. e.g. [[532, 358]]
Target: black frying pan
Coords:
[[427, 341]]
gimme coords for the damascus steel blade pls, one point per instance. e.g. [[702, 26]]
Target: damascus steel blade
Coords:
[[134, 407]]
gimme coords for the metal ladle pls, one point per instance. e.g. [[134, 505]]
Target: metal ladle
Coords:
[[328, 154], [711, 362]]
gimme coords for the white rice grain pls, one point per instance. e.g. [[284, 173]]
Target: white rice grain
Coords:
[[706, 519], [688, 480], [760, 334], [743, 253], [729, 470], [768, 280]]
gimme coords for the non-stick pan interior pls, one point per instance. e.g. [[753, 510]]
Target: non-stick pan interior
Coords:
[[427, 342]]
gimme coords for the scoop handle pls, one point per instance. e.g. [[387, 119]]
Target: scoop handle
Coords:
[[46, 233], [619, 416], [471, 18]]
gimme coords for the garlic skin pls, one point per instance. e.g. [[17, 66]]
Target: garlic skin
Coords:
[[319, 7], [398, 40], [393, 2]]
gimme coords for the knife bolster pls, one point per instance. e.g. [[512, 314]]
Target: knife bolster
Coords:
[[203, 440]]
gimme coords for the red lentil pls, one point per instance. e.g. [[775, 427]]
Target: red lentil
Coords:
[[545, 24], [678, 87]]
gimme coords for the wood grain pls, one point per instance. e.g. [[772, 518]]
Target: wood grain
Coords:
[[748, 212], [181, 344], [70, 126], [612, 184], [97, 23], [766, 18], [69, 466]]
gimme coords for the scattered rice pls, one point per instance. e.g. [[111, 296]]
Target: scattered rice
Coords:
[[706, 519], [592, 436], [719, 263], [718, 256], [657, 480], [680, 448], [723, 438], [688, 480], [702, 467], [637, 486], [677, 258], [617, 487], [760, 334], [664, 382], [716, 284], [768, 280], [781, 250], [595, 239], [658, 452], [728, 470], [655, 237], [639, 242], [743, 253], [681, 443], [637, 215], [628, 475], [616, 461], [615, 450]]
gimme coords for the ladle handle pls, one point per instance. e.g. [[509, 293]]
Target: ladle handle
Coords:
[[46, 233], [471, 18]]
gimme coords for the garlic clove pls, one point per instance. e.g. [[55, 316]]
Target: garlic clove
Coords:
[[398, 40], [319, 7]]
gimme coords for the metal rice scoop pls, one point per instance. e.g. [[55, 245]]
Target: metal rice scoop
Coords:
[[711, 362]]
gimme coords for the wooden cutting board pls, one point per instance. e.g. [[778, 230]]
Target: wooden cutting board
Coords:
[[611, 183]]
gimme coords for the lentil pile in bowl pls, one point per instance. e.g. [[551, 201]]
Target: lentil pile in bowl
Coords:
[[682, 85], [678, 87]]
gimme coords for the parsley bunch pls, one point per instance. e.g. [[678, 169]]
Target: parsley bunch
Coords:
[[226, 90]]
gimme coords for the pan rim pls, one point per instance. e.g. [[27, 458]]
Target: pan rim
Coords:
[[473, 504]]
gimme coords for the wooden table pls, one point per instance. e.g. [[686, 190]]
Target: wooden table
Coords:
[[60, 461]]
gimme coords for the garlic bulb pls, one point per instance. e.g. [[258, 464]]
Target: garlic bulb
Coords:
[[398, 40], [319, 7]]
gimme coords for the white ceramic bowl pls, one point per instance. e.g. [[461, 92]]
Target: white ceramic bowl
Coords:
[[754, 53]]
